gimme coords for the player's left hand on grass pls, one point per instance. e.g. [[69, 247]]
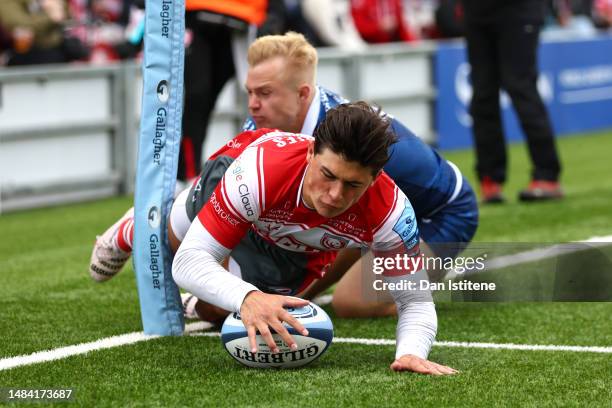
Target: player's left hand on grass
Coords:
[[410, 362]]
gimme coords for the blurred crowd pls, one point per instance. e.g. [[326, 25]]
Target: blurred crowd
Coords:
[[101, 31], [59, 31]]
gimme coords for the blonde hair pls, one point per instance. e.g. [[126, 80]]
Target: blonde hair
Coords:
[[300, 56]]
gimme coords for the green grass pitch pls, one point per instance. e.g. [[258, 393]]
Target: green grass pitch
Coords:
[[48, 301]]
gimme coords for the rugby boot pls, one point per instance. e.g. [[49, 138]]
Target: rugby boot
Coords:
[[491, 191], [107, 258], [541, 190]]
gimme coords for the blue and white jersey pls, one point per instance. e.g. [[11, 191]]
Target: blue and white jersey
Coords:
[[429, 181]]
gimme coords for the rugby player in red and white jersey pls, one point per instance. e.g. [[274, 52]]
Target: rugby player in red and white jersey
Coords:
[[282, 207], [273, 209]]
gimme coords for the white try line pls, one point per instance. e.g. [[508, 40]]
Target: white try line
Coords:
[[195, 329], [460, 344], [84, 348], [537, 254]]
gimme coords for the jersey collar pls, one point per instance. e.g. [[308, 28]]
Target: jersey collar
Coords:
[[312, 116]]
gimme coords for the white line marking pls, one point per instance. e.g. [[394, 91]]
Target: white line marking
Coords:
[[534, 255], [534, 347], [195, 329], [323, 300], [460, 344], [84, 348]]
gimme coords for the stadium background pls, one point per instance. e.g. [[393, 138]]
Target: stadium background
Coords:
[[69, 146]]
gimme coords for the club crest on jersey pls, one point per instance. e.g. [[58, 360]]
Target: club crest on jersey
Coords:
[[333, 242]]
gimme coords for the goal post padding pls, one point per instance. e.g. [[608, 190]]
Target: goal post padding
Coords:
[[159, 142]]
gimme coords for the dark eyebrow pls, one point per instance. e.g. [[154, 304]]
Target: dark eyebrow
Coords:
[[329, 173]]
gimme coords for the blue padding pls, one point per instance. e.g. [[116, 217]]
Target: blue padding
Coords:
[[160, 134]]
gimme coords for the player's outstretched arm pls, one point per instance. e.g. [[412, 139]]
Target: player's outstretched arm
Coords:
[[416, 329], [261, 311], [410, 362]]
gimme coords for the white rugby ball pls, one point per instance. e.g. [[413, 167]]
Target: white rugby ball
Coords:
[[320, 334]]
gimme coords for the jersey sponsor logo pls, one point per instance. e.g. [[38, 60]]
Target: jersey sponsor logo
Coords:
[[405, 226], [232, 144], [347, 227], [238, 170], [224, 215], [243, 189], [333, 242]]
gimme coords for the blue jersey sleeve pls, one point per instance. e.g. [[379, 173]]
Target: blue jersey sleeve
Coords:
[[419, 171]]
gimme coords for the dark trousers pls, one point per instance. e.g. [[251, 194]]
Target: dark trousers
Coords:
[[209, 64], [504, 55]]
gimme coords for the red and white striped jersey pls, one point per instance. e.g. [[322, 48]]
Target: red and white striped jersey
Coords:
[[262, 189]]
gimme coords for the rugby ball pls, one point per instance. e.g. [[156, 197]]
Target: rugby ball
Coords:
[[320, 334]]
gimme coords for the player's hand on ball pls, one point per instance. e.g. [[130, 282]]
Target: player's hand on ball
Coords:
[[261, 311], [419, 365]]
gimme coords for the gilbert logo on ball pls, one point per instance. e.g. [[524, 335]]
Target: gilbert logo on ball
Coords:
[[320, 334]]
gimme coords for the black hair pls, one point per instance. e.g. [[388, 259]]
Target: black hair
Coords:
[[358, 132]]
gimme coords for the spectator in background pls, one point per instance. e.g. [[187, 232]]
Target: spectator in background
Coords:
[[107, 23], [569, 19], [333, 23], [449, 18], [602, 13], [6, 43], [502, 41], [276, 19], [36, 28], [381, 21], [216, 30]]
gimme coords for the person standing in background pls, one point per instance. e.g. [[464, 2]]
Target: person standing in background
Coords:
[[216, 30], [502, 41], [37, 30]]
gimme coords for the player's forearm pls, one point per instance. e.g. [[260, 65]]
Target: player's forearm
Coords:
[[197, 269], [345, 259], [417, 320]]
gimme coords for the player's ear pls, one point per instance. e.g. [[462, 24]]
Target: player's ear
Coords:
[[310, 153], [304, 92]]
